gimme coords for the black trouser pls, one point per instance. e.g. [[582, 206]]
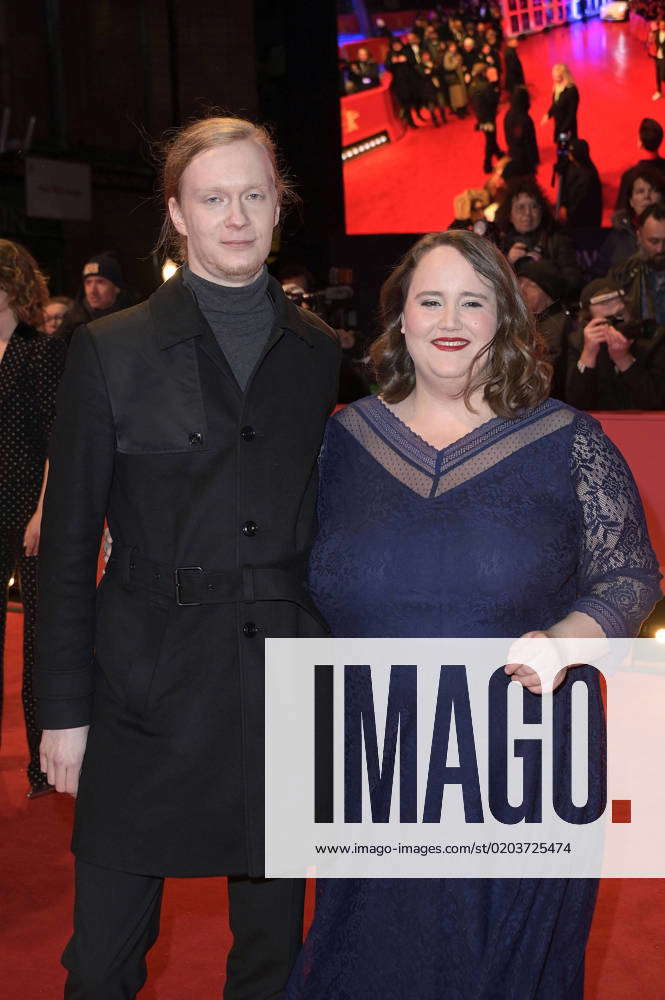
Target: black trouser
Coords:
[[660, 73], [14, 560], [491, 148], [116, 922]]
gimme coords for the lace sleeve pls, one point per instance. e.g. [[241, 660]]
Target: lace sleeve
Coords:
[[617, 569]]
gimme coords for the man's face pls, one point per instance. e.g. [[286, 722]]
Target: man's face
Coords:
[[227, 209], [363, 55], [651, 240], [100, 293]]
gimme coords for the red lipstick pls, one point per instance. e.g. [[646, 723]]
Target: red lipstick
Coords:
[[450, 343]]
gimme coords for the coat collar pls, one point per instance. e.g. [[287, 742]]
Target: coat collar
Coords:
[[177, 317]]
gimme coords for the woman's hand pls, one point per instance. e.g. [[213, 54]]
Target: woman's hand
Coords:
[[543, 672], [517, 251], [32, 533], [544, 120]]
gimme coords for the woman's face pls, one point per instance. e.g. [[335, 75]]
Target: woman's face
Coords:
[[557, 75], [525, 213], [54, 313], [643, 195], [450, 315]]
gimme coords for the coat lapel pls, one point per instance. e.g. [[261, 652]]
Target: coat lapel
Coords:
[[177, 318]]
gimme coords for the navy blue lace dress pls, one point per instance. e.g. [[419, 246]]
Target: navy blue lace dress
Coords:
[[507, 530]]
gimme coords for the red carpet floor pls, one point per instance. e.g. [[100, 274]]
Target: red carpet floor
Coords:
[[626, 955], [409, 186]]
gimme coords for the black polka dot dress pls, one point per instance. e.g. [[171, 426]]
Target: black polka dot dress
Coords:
[[30, 370]]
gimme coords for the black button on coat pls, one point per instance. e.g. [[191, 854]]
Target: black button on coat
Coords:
[[152, 432]]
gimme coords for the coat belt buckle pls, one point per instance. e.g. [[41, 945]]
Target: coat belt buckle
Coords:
[[178, 585]]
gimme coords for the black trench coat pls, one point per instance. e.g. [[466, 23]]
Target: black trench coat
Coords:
[[153, 432]]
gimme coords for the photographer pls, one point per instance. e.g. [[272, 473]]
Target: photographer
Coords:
[[527, 228], [542, 289], [615, 362], [330, 304]]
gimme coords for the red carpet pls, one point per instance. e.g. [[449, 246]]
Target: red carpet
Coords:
[[409, 186], [625, 957]]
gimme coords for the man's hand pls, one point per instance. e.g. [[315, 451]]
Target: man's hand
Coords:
[[61, 756], [32, 533]]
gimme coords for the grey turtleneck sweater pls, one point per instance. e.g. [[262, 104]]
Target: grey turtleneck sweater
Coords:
[[241, 318]]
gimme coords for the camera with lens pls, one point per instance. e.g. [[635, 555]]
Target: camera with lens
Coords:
[[563, 141], [632, 329], [334, 304]]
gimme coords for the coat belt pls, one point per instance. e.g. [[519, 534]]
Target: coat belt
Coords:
[[193, 585]]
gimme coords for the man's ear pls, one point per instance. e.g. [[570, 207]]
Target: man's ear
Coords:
[[177, 217]]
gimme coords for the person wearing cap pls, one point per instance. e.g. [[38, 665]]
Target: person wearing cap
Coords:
[[543, 290], [615, 362], [103, 291]]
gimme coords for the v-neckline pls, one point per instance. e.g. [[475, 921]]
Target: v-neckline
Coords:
[[429, 472], [466, 439]]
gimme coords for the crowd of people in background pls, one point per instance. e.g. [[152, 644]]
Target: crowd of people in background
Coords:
[[604, 356], [601, 316]]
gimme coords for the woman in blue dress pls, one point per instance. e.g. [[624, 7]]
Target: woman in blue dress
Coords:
[[464, 502]]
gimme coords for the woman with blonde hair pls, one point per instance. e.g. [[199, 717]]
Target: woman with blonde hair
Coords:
[[30, 367], [565, 102]]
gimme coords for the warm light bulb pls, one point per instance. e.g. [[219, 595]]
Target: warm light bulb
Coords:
[[11, 581], [169, 268], [659, 635]]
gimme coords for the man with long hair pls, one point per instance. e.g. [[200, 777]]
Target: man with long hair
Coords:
[[192, 423]]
